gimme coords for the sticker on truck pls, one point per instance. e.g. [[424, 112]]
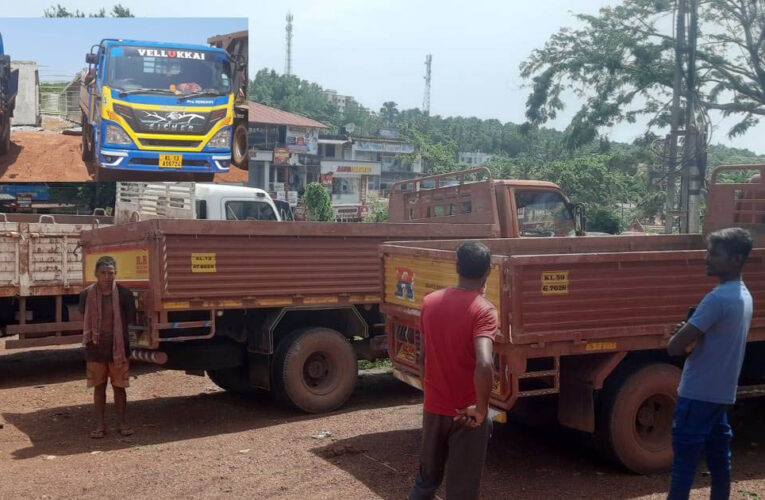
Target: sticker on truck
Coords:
[[554, 282], [203, 263], [132, 263]]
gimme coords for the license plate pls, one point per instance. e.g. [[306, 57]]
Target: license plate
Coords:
[[170, 161]]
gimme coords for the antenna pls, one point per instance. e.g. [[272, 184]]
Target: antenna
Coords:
[[426, 99], [288, 58]]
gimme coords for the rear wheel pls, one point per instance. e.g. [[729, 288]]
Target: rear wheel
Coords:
[[239, 146], [87, 139], [315, 369], [235, 380], [636, 424]]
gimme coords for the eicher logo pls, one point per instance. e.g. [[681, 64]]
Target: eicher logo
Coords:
[[178, 54]]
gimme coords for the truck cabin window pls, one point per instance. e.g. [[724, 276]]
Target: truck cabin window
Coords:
[[249, 210], [164, 70], [543, 214]]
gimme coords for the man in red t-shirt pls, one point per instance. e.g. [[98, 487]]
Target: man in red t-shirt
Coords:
[[458, 326]]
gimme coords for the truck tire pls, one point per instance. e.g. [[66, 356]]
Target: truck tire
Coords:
[[636, 419], [87, 139], [239, 153], [234, 380], [5, 139], [315, 369]]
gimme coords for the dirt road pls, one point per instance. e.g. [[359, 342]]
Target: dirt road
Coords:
[[195, 441], [50, 156]]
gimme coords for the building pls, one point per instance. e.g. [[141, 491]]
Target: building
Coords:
[[338, 100], [474, 158], [394, 156], [284, 151]]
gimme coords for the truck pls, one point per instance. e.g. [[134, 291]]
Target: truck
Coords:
[[289, 308], [41, 264], [584, 322], [161, 107], [9, 85]]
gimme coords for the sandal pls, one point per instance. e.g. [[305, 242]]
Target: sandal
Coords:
[[97, 434]]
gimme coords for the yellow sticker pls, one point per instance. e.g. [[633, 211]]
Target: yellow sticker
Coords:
[[554, 282], [132, 263], [203, 263], [600, 346], [176, 305], [320, 300], [222, 303], [274, 302]]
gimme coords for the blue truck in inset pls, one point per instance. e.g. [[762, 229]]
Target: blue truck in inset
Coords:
[[149, 106]]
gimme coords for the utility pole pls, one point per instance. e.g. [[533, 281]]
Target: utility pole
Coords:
[[692, 161], [426, 98], [288, 57]]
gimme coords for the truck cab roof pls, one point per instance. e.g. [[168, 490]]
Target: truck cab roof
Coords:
[[527, 183], [107, 42]]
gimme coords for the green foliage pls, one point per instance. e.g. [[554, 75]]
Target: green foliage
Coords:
[[604, 220], [622, 64], [318, 205], [59, 10], [378, 211]]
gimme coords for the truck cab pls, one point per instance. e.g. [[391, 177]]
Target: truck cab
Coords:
[[152, 106], [519, 208]]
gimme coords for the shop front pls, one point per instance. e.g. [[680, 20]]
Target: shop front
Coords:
[[348, 184]]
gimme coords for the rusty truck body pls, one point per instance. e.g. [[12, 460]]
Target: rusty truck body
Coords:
[[584, 322], [41, 276], [289, 307]]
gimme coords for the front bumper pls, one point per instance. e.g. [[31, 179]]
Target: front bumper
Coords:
[[148, 161]]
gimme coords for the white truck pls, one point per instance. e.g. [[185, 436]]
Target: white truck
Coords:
[[41, 267]]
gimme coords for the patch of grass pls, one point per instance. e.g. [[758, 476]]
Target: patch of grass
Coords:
[[750, 494], [378, 363]]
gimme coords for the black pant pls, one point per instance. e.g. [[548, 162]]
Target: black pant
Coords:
[[460, 450]]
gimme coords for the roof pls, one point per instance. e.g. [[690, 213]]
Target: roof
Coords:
[[260, 113], [527, 183], [161, 45]]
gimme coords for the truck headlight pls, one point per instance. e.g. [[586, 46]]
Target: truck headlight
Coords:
[[221, 140], [115, 135]]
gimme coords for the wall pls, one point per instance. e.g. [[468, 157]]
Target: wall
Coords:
[[27, 111]]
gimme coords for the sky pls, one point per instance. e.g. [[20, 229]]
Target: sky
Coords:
[[374, 50], [40, 40]]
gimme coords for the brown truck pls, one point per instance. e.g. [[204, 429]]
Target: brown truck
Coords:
[[289, 306], [584, 322]]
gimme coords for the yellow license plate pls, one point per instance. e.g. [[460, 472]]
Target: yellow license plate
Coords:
[[170, 161]]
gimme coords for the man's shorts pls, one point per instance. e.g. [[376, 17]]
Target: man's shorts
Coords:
[[101, 371]]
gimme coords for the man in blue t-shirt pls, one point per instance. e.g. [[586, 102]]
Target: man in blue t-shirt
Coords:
[[715, 335]]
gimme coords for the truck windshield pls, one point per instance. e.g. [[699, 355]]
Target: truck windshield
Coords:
[[180, 71], [249, 210], [543, 213]]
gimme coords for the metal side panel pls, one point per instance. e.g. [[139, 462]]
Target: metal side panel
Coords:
[[10, 243]]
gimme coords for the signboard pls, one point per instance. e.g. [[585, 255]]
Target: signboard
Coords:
[[281, 156], [350, 168], [303, 140], [24, 200], [383, 147], [37, 192]]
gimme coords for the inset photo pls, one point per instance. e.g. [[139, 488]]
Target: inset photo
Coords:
[[105, 99]]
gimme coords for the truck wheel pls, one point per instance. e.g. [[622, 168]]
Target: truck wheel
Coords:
[[235, 380], [315, 369], [239, 154], [87, 139], [5, 140], [638, 408]]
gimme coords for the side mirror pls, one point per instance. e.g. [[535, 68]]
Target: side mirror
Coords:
[[91, 58], [580, 219]]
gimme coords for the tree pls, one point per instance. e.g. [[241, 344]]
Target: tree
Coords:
[[622, 64], [59, 10], [318, 205], [389, 113]]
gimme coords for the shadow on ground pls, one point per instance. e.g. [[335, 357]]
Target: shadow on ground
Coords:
[[525, 462], [64, 430]]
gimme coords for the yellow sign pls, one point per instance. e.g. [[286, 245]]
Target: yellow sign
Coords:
[[132, 263], [408, 279], [554, 282], [203, 263], [170, 161], [600, 346], [176, 305], [320, 300]]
